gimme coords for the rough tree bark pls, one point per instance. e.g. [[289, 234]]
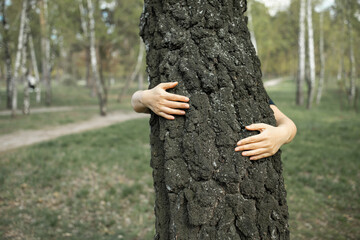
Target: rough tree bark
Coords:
[[301, 71], [100, 91], [311, 55], [322, 60], [7, 56], [204, 189], [18, 59]]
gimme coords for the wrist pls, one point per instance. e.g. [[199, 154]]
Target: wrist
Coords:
[[285, 134]]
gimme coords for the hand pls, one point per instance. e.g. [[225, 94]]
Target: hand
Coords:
[[264, 144], [163, 103]]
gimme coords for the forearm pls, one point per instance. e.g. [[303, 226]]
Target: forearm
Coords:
[[285, 124], [136, 103]]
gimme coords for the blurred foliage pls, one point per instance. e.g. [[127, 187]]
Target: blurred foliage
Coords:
[[117, 34]]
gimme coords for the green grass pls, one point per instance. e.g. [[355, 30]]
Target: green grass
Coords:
[[98, 185]]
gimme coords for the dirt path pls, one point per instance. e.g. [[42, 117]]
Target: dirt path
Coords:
[[48, 109], [28, 137], [273, 82]]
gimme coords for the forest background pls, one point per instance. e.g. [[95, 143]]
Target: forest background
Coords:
[[98, 185]]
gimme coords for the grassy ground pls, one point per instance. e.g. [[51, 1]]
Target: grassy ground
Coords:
[[98, 185]]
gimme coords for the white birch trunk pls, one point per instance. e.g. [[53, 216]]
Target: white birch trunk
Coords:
[[311, 54], [36, 70], [301, 71], [45, 50], [135, 72], [7, 57], [352, 91], [322, 60], [251, 27], [26, 100], [18, 59], [99, 87]]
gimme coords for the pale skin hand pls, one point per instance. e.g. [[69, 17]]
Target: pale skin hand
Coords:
[[160, 101], [270, 138], [262, 145]]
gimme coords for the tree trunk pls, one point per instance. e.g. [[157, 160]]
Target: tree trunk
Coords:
[[99, 87], [36, 70], [301, 71], [45, 50], [251, 26], [84, 27], [7, 56], [24, 69], [322, 60], [312, 73], [18, 59], [134, 73], [204, 189], [352, 91]]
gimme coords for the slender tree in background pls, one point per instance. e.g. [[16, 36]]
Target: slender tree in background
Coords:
[[204, 189], [20, 46], [35, 68], [84, 27], [45, 50], [135, 73], [251, 26], [352, 90], [302, 55], [7, 56], [100, 91], [322, 60], [24, 69], [311, 56]]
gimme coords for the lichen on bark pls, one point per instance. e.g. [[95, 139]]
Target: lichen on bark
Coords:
[[204, 189]]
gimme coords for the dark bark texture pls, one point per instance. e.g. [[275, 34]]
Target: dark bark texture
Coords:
[[204, 189]]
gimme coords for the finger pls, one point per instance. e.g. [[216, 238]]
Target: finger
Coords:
[[175, 97], [167, 116], [172, 104], [252, 139], [254, 152], [257, 126], [250, 146], [260, 156], [172, 111], [168, 85]]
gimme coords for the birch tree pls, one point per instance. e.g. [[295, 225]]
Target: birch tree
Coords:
[[7, 56], [24, 69], [352, 90], [322, 60], [84, 27], [100, 91], [311, 55], [302, 55], [203, 189], [20, 46], [251, 26], [35, 68], [135, 73], [45, 50]]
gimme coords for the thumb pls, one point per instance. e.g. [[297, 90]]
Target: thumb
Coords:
[[256, 126], [168, 85]]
